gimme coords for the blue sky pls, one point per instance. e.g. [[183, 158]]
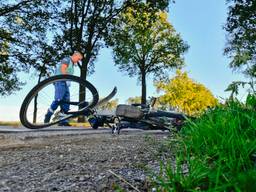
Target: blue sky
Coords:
[[200, 23]]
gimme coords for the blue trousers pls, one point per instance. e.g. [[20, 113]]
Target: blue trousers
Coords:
[[61, 95]]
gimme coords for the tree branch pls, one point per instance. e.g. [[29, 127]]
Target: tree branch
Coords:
[[6, 10]]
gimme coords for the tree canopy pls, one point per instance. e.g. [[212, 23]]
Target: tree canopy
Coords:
[[144, 42], [37, 35], [241, 37], [185, 94], [23, 42]]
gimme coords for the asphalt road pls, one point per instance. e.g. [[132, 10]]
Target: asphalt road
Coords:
[[25, 133]]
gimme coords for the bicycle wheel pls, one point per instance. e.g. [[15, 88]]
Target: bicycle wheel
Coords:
[[36, 104]]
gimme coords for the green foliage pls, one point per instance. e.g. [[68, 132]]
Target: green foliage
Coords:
[[144, 43], [72, 25], [8, 80], [251, 101], [144, 40], [235, 85], [216, 152], [157, 4], [82, 26], [23, 42], [160, 4], [241, 46]]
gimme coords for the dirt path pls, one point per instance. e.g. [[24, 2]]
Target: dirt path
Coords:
[[90, 162]]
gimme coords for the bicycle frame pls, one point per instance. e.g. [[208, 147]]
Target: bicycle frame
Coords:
[[83, 105], [150, 120]]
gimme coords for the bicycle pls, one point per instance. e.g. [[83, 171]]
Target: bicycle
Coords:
[[38, 100], [139, 116]]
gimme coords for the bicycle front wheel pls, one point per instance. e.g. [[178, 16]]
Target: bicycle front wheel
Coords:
[[45, 96]]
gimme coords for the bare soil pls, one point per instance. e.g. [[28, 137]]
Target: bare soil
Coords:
[[92, 162]]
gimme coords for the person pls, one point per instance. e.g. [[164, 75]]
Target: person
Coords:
[[66, 66]]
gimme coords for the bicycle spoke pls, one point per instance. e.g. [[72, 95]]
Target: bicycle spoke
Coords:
[[37, 105]]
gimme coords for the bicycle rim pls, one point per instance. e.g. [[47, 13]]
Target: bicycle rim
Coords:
[[40, 98]]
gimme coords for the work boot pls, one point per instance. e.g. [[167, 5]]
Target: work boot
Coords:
[[47, 117]]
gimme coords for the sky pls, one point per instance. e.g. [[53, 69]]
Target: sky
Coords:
[[200, 23]]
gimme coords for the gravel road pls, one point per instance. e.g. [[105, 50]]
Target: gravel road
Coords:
[[79, 162]]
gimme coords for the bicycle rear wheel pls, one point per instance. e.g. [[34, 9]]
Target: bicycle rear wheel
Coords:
[[40, 98], [167, 120]]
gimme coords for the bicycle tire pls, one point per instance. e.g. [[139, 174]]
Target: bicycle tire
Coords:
[[158, 118], [160, 113], [24, 107]]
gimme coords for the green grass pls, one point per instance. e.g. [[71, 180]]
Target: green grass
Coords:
[[218, 150]]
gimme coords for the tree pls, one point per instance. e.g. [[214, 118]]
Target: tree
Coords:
[[144, 43], [8, 79], [235, 85], [185, 94], [241, 39], [160, 4], [23, 27], [132, 100], [83, 24], [8, 8]]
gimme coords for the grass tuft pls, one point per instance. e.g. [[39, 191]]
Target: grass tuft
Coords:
[[219, 151]]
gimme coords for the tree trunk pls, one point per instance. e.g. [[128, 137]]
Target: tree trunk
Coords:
[[143, 88], [35, 100], [82, 93]]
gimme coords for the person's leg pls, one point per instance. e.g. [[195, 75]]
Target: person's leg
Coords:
[[58, 96], [66, 97], [65, 106]]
